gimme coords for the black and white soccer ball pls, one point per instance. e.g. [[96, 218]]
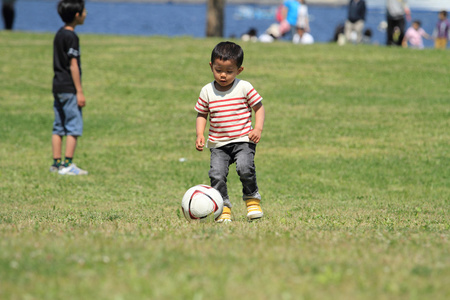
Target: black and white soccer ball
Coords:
[[202, 202]]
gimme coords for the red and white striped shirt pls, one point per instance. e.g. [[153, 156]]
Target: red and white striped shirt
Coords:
[[230, 112]]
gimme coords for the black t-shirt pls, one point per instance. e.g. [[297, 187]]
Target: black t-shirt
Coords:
[[66, 46]]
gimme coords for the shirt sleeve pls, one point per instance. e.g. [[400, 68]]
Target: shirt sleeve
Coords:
[[73, 47], [408, 34], [422, 32], [202, 105], [253, 97]]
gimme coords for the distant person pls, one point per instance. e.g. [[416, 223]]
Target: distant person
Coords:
[[250, 36], [414, 36], [290, 15], [355, 20], [303, 16], [67, 89], [279, 13], [397, 12], [367, 36], [273, 33], [229, 102], [441, 33], [302, 37], [8, 13], [338, 32]]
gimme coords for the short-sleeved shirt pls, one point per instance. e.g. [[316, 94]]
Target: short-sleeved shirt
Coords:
[[292, 11], [302, 16], [66, 46], [443, 29], [415, 37], [230, 112]]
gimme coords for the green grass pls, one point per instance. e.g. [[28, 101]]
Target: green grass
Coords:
[[353, 168]]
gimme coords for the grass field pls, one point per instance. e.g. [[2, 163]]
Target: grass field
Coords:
[[353, 168]]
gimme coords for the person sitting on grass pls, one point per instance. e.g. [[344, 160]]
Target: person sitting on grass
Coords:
[[302, 37], [414, 36], [229, 102], [67, 90]]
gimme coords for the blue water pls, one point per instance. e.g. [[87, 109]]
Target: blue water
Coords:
[[173, 19]]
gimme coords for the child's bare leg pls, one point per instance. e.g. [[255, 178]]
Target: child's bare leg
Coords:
[[71, 144], [56, 146], [69, 167]]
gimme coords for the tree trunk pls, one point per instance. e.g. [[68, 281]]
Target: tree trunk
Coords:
[[214, 25]]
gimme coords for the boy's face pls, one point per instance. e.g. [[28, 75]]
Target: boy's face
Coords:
[[79, 18], [416, 26], [225, 71]]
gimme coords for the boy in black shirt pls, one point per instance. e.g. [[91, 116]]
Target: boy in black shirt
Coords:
[[67, 89]]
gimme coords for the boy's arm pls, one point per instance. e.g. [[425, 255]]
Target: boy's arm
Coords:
[[405, 40], [76, 77], [405, 43], [255, 134], [200, 126]]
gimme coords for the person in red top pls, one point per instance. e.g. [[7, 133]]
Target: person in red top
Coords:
[[229, 102]]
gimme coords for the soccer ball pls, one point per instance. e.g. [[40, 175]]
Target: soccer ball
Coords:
[[201, 202]]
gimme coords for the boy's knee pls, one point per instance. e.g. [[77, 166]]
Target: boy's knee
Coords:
[[245, 171], [217, 174]]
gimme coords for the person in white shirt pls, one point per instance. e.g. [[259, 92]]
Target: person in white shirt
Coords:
[[303, 37], [303, 17]]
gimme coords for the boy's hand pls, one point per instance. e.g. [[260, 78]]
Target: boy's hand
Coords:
[[200, 143], [81, 100], [255, 135], [200, 124]]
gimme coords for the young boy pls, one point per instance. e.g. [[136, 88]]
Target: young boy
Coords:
[[414, 36], [232, 139], [67, 90], [441, 32]]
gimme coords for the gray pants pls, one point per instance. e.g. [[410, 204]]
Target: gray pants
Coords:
[[357, 27], [243, 155]]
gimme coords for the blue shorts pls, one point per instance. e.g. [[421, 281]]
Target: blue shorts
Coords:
[[68, 116]]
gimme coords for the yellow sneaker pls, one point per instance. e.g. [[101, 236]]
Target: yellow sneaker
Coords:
[[254, 210], [225, 216]]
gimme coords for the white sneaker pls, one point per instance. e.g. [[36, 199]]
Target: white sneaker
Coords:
[[72, 170]]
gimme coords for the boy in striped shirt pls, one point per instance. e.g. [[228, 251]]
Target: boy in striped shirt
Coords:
[[229, 103]]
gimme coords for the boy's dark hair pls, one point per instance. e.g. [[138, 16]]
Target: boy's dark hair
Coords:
[[228, 51], [444, 13], [417, 22], [67, 9]]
